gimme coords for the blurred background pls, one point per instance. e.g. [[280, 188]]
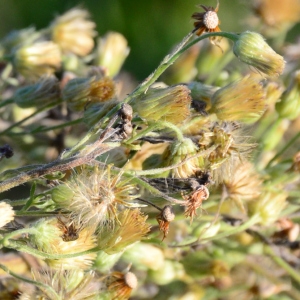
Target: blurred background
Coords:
[[151, 27]]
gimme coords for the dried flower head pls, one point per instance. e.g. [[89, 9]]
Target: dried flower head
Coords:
[[112, 50], [74, 32], [37, 60], [243, 100], [231, 147], [164, 218], [243, 185], [7, 213], [171, 104], [251, 48], [207, 21], [120, 285], [131, 228], [6, 151], [98, 195], [43, 92], [79, 92], [194, 200]]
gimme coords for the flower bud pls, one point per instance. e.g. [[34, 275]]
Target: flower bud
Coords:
[[170, 271], [112, 50], [39, 94], [104, 262], [62, 196], [243, 100], [289, 106], [268, 207], [144, 256], [36, 60], [7, 213], [177, 152], [171, 104], [251, 48], [79, 92], [73, 32]]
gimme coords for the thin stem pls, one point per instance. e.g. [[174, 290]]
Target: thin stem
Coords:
[[178, 132], [288, 145], [36, 283], [5, 241], [45, 129], [293, 273], [6, 102], [46, 107], [161, 170], [141, 134], [23, 248]]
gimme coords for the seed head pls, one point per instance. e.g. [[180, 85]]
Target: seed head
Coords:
[[164, 218], [207, 21], [7, 214]]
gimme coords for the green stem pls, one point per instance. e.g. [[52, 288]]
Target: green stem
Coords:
[[6, 102], [249, 223], [29, 230], [46, 107], [45, 129], [142, 133], [36, 283], [288, 145], [166, 124], [23, 248], [293, 273], [161, 170]]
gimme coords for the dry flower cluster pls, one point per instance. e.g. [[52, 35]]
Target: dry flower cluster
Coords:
[[182, 189]]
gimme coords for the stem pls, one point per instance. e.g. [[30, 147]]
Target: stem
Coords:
[[178, 132], [161, 170], [43, 129], [141, 134], [23, 248], [36, 283], [288, 145], [170, 59], [293, 273], [5, 241], [6, 102], [46, 107]]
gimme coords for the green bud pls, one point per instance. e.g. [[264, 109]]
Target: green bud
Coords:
[[251, 48], [62, 196], [44, 92], [112, 50]]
